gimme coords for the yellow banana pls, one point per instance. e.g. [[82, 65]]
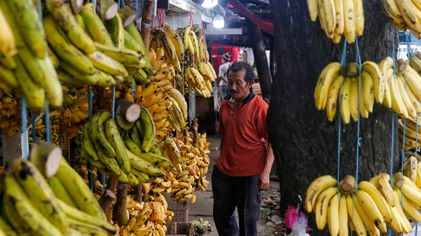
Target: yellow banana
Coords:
[[346, 101], [322, 206], [7, 40], [332, 100], [328, 74], [378, 199], [333, 215], [353, 99], [313, 9], [316, 187], [343, 216], [349, 16], [355, 217], [370, 208], [359, 17]]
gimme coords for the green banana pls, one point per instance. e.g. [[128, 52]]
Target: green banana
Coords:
[[131, 145], [113, 136], [132, 179], [131, 43], [116, 30], [6, 227], [11, 215], [122, 55], [29, 25], [139, 75], [68, 80], [143, 166], [8, 77], [64, 49], [87, 142], [87, 229], [7, 61], [147, 129], [53, 58], [27, 213], [60, 192], [112, 165], [97, 163], [82, 24], [95, 26], [136, 35], [78, 190], [43, 197], [81, 216], [107, 64], [67, 22], [155, 159], [35, 95], [122, 123], [142, 177], [98, 78], [136, 135], [97, 126]]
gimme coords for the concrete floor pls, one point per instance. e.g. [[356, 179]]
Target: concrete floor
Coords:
[[204, 203]]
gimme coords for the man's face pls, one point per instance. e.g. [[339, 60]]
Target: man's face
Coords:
[[237, 85]]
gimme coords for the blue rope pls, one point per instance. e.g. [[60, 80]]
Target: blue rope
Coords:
[[94, 2], [34, 132], [25, 146], [47, 121], [358, 60], [113, 102], [124, 3], [133, 89], [119, 5], [343, 60], [137, 8], [40, 9], [91, 176]]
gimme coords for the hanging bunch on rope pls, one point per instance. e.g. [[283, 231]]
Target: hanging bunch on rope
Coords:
[[189, 155], [328, 89], [147, 217], [374, 205], [338, 17], [404, 15], [130, 155], [47, 197], [28, 70], [402, 92], [412, 133]]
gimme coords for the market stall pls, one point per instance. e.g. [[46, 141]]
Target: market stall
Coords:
[[101, 110]]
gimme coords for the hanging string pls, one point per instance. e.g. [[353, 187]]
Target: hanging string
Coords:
[[24, 137], [47, 121], [119, 5], [94, 2], [91, 176], [358, 61], [137, 8], [124, 3], [34, 132], [113, 108], [343, 61]]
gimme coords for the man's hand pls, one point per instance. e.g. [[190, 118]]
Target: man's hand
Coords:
[[264, 182]]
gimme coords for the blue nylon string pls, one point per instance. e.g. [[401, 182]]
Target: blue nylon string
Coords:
[[389, 233], [133, 89], [137, 8], [40, 9], [34, 132], [119, 5], [94, 2], [91, 176], [25, 147], [113, 102], [124, 3], [47, 121], [343, 60], [358, 61]]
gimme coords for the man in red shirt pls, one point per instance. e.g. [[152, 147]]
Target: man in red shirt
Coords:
[[246, 158]]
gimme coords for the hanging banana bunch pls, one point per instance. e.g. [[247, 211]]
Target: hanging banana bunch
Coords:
[[338, 17], [404, 15]]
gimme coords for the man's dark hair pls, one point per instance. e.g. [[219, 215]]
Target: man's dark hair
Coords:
[[239, 66]]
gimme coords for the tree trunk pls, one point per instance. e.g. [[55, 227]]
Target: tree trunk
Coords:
[[261, 60], [304, 141]]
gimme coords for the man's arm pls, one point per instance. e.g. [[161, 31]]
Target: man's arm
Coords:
[[264, 182]]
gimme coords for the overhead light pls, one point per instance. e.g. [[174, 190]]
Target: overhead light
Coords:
[[209, 3], [218, 21]]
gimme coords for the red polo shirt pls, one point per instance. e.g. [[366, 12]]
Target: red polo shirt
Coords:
[[244, 131]]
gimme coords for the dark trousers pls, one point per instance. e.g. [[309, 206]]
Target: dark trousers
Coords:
[[231, 192]]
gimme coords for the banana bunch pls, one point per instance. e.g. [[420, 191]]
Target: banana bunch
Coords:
[[147, 217], [401, 91], [125, 156], [172, 46], [374, 205], [338, 17], [190, 165], [404, 15], [412, 170], [179, 111], [29, 70], [10, 115], [328, 88], [47, 197], [411, 134], [196, 81], [155, 96]]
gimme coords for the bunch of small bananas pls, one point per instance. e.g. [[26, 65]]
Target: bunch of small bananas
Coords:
[[127, 155], [170, 41], [402, 93], [375, 204], [155, 96], [190, 165], [404, 15], [338, 17], [147, 217], [328, 87], [28, 70], [10, 115], [196, 80], [412, 133], [48, 197]]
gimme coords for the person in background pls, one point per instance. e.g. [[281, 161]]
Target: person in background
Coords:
[[243, 167], [223, 81]]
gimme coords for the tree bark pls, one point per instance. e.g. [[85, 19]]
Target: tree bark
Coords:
[[260, 59], [303, 140], [145, 30]]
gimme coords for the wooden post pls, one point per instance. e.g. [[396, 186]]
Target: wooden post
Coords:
[[260, 59], [11, 146], [145, 30]]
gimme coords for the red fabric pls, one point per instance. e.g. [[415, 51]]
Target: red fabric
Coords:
[[265, 25], [244, 131], [234, 54]]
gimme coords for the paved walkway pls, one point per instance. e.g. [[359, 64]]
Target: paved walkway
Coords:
[[204, 203]]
